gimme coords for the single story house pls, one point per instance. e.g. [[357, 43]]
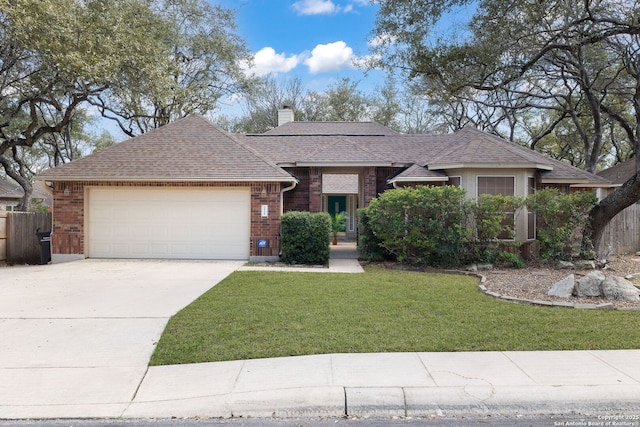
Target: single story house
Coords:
[[11, 195], [190, 190]]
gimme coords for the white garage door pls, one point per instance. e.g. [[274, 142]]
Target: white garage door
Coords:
[[168, 223]]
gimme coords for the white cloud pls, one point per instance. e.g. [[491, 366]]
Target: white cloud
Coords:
[[382, 39], [330, 57], [267, 61], [315, 7]]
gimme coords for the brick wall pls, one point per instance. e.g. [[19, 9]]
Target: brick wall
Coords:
[[370, 185], [68, 212], [315, 189], [298, 198], [382, 175]]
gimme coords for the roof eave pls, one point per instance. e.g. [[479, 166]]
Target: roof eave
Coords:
[[156, 179], [490, 165], [544, 180], [421, 179], [342, 164], [591, 185]]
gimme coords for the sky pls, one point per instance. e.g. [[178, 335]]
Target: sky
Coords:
[[318, 41]]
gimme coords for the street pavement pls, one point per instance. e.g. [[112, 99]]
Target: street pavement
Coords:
[[77, 337]]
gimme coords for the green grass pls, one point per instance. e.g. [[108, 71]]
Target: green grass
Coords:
[[272, 314]]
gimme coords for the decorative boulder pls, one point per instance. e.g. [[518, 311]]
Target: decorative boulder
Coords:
[[585, 265], [563, 288], [618, 288], [590, 285], [566, 265]]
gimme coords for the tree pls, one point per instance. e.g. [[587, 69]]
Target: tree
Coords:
[[205, 56], [56, 55], [262, 103], [575, 61]]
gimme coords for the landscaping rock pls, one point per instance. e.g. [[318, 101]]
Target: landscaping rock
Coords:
[[590, 285], [619, 288], [485, 267], [632, 276], [472, 268], [566, 265], [563, 288], [585, 265]]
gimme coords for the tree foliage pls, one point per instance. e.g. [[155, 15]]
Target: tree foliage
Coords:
[[561, 219], [205, 56]]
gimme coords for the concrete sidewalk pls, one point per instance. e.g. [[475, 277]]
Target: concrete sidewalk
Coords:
[[396, 384]]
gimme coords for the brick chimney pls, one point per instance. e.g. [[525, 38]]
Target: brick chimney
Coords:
[[285, 115]]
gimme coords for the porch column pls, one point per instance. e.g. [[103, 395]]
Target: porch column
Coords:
[[315, 190], [370, 190]]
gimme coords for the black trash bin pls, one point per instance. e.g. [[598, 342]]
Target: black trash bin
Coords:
[[44, 238]]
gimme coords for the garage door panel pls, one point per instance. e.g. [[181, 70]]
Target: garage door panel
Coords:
[[169, 223]]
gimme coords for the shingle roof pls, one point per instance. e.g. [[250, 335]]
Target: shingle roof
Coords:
[[470, 145], [194, 149], [417, 173], [190, 149], [331, 128], [620, 173], [466, 148]]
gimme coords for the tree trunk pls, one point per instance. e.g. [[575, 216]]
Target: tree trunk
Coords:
[[26, 185], [613, 204]]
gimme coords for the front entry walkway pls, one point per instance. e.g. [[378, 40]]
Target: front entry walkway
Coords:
[[343, 259]]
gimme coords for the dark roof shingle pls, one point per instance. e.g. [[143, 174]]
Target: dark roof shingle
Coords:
[[190, 149]]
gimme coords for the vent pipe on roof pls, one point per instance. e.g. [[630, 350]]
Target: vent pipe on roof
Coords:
[[285, 115]]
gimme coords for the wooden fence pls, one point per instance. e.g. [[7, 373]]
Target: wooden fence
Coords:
[[18, 241], [622, 234]]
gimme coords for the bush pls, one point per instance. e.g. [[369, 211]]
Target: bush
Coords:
[[420, 225], [493, 219], [561, 221], [305, 237], [369, 245]]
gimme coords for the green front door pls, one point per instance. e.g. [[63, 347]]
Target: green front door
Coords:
[[336, 204]]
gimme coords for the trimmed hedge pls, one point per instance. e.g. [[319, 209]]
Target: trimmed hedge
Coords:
[[421, 225], [437, 226], [369, 245], [305, 238]]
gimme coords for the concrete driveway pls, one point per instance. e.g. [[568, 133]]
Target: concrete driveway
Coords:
[[78, 334]]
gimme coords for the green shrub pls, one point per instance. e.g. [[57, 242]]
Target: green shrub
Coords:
[[369, 245], [510, 260], [561, 220], [420, 225], [305, 237], [493, 219]]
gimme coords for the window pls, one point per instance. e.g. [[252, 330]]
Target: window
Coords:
[[454, 180], [495, 185], [499, 185]]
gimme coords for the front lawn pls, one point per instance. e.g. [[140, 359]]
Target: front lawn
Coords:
[[271, 314]]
